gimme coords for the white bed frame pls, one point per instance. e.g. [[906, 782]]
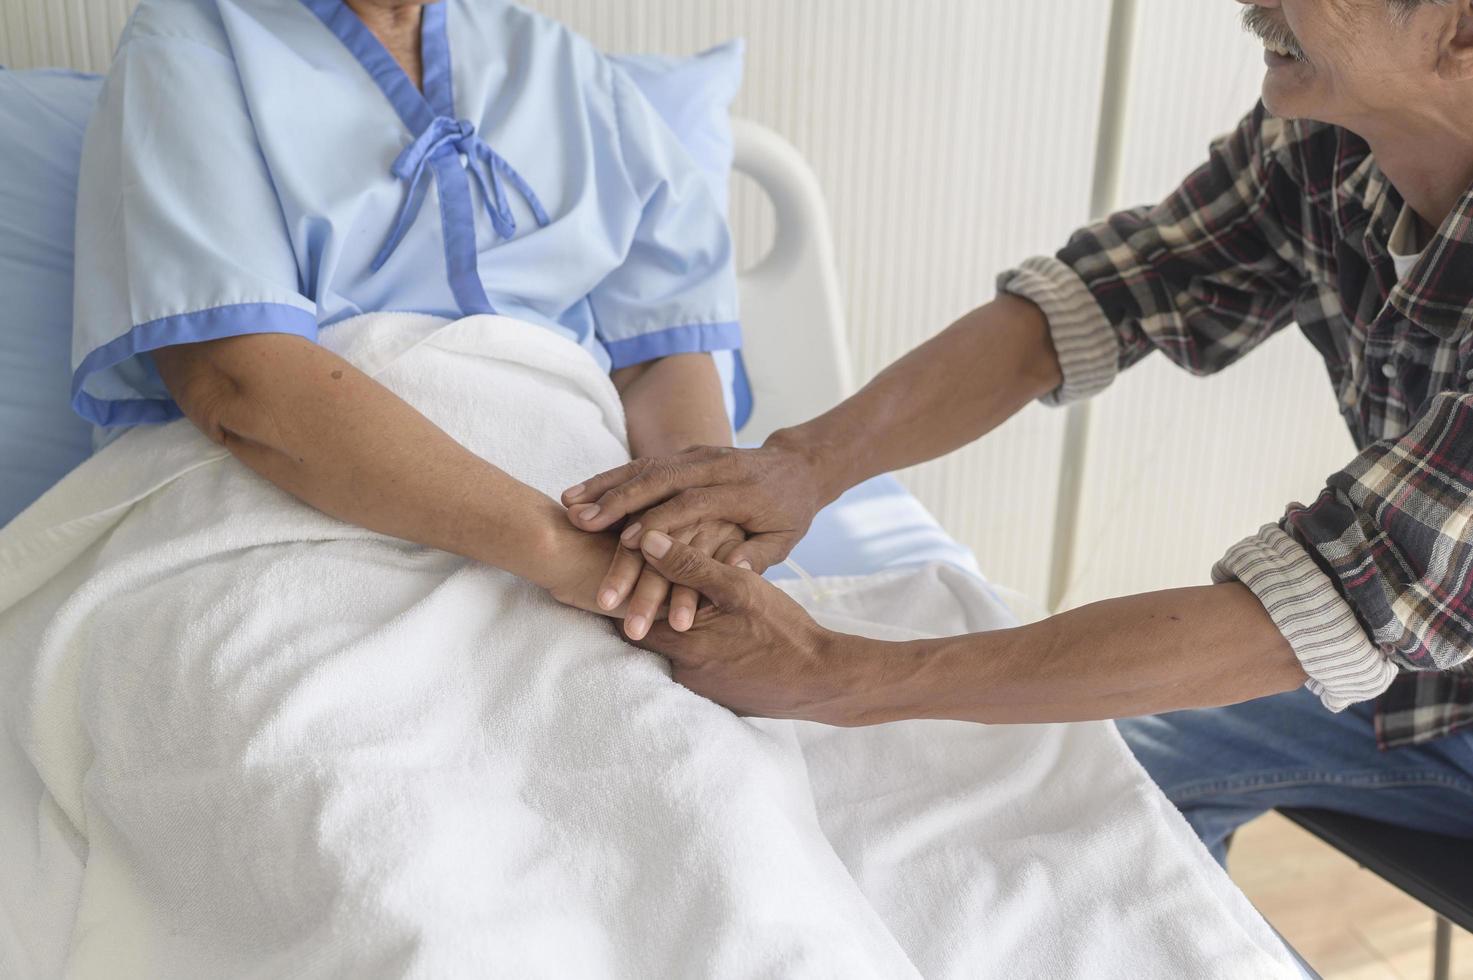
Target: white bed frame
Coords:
[[794, 341]]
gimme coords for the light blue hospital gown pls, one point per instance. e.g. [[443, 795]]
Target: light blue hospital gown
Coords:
[[265, 166]]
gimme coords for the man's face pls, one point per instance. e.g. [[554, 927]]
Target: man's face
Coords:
[[1346, 61]]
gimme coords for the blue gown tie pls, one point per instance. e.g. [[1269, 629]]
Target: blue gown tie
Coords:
[[491, 171]]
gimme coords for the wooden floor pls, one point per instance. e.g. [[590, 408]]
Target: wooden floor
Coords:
[[1346, 922]]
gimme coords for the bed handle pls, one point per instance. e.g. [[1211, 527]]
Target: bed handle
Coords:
[[795, 345]]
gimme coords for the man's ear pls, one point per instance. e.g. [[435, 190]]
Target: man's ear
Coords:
[[1455, 59]]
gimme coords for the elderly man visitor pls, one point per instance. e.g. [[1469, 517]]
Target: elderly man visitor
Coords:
[[1338, 637]]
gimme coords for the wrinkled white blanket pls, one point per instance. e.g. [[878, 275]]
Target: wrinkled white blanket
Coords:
[[243, 739]]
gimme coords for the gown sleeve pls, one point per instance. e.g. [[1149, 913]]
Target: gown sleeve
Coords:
[[676, 292], [180, 234]]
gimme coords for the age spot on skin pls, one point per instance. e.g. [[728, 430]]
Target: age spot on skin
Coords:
[[337, 375]]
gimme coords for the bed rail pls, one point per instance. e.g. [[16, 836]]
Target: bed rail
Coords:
[[795, 346]]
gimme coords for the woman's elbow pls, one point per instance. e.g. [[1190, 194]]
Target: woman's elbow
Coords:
[[203, 391], [233, 404]]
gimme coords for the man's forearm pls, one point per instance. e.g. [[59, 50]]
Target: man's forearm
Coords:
[[949, 392], [1143, 654]]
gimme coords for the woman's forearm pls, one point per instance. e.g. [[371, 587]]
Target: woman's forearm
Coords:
[[950, 391], [1142, 654], [673, 404], [327, 433]]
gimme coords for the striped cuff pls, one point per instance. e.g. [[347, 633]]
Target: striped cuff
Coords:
[[1088, 350], [1343, 665]]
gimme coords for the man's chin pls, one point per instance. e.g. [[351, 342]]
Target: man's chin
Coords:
[[1285, 97]]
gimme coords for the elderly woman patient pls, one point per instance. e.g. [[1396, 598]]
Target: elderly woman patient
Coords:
[[261, 169]]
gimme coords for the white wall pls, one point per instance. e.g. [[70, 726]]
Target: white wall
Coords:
[[952, 138]]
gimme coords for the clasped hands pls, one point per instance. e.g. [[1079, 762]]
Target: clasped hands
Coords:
[[710, 520], [741, 508]]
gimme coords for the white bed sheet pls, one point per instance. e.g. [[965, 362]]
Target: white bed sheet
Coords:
[[188, 791], [880, 527]]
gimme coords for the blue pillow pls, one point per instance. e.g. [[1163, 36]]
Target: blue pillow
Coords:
[[694, 96], [43, 115], [42, 118]]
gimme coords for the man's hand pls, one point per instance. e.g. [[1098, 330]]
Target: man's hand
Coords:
[[755, 650], [771, 493]]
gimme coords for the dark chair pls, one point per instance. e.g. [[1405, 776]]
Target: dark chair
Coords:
[[1435, 870]]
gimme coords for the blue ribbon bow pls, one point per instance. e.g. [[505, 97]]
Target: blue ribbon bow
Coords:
[[443, 136]]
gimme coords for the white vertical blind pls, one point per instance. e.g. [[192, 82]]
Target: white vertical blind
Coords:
[[76, 34], [952, 138]]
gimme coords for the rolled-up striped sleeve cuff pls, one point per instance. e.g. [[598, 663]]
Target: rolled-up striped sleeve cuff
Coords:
[[1088, 350], [1343, 665]]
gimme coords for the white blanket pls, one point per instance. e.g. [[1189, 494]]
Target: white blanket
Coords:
[[243, 739]]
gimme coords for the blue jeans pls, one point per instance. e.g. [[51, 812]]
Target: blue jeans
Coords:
[[1224, 766]]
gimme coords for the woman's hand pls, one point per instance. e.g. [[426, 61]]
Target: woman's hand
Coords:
[[670, 404], [577, 566], [631, 583], [572, 565], [771, 493]]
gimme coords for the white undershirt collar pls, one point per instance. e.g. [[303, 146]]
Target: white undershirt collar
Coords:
[[1405, 243]]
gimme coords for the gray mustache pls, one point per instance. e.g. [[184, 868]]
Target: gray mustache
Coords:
[[1258, 21]]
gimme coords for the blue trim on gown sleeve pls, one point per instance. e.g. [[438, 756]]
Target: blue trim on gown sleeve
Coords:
[[741, 393], [692, 338], [187, 328]]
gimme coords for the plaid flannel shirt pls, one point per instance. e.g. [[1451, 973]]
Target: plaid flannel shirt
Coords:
[[1290, 221]]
